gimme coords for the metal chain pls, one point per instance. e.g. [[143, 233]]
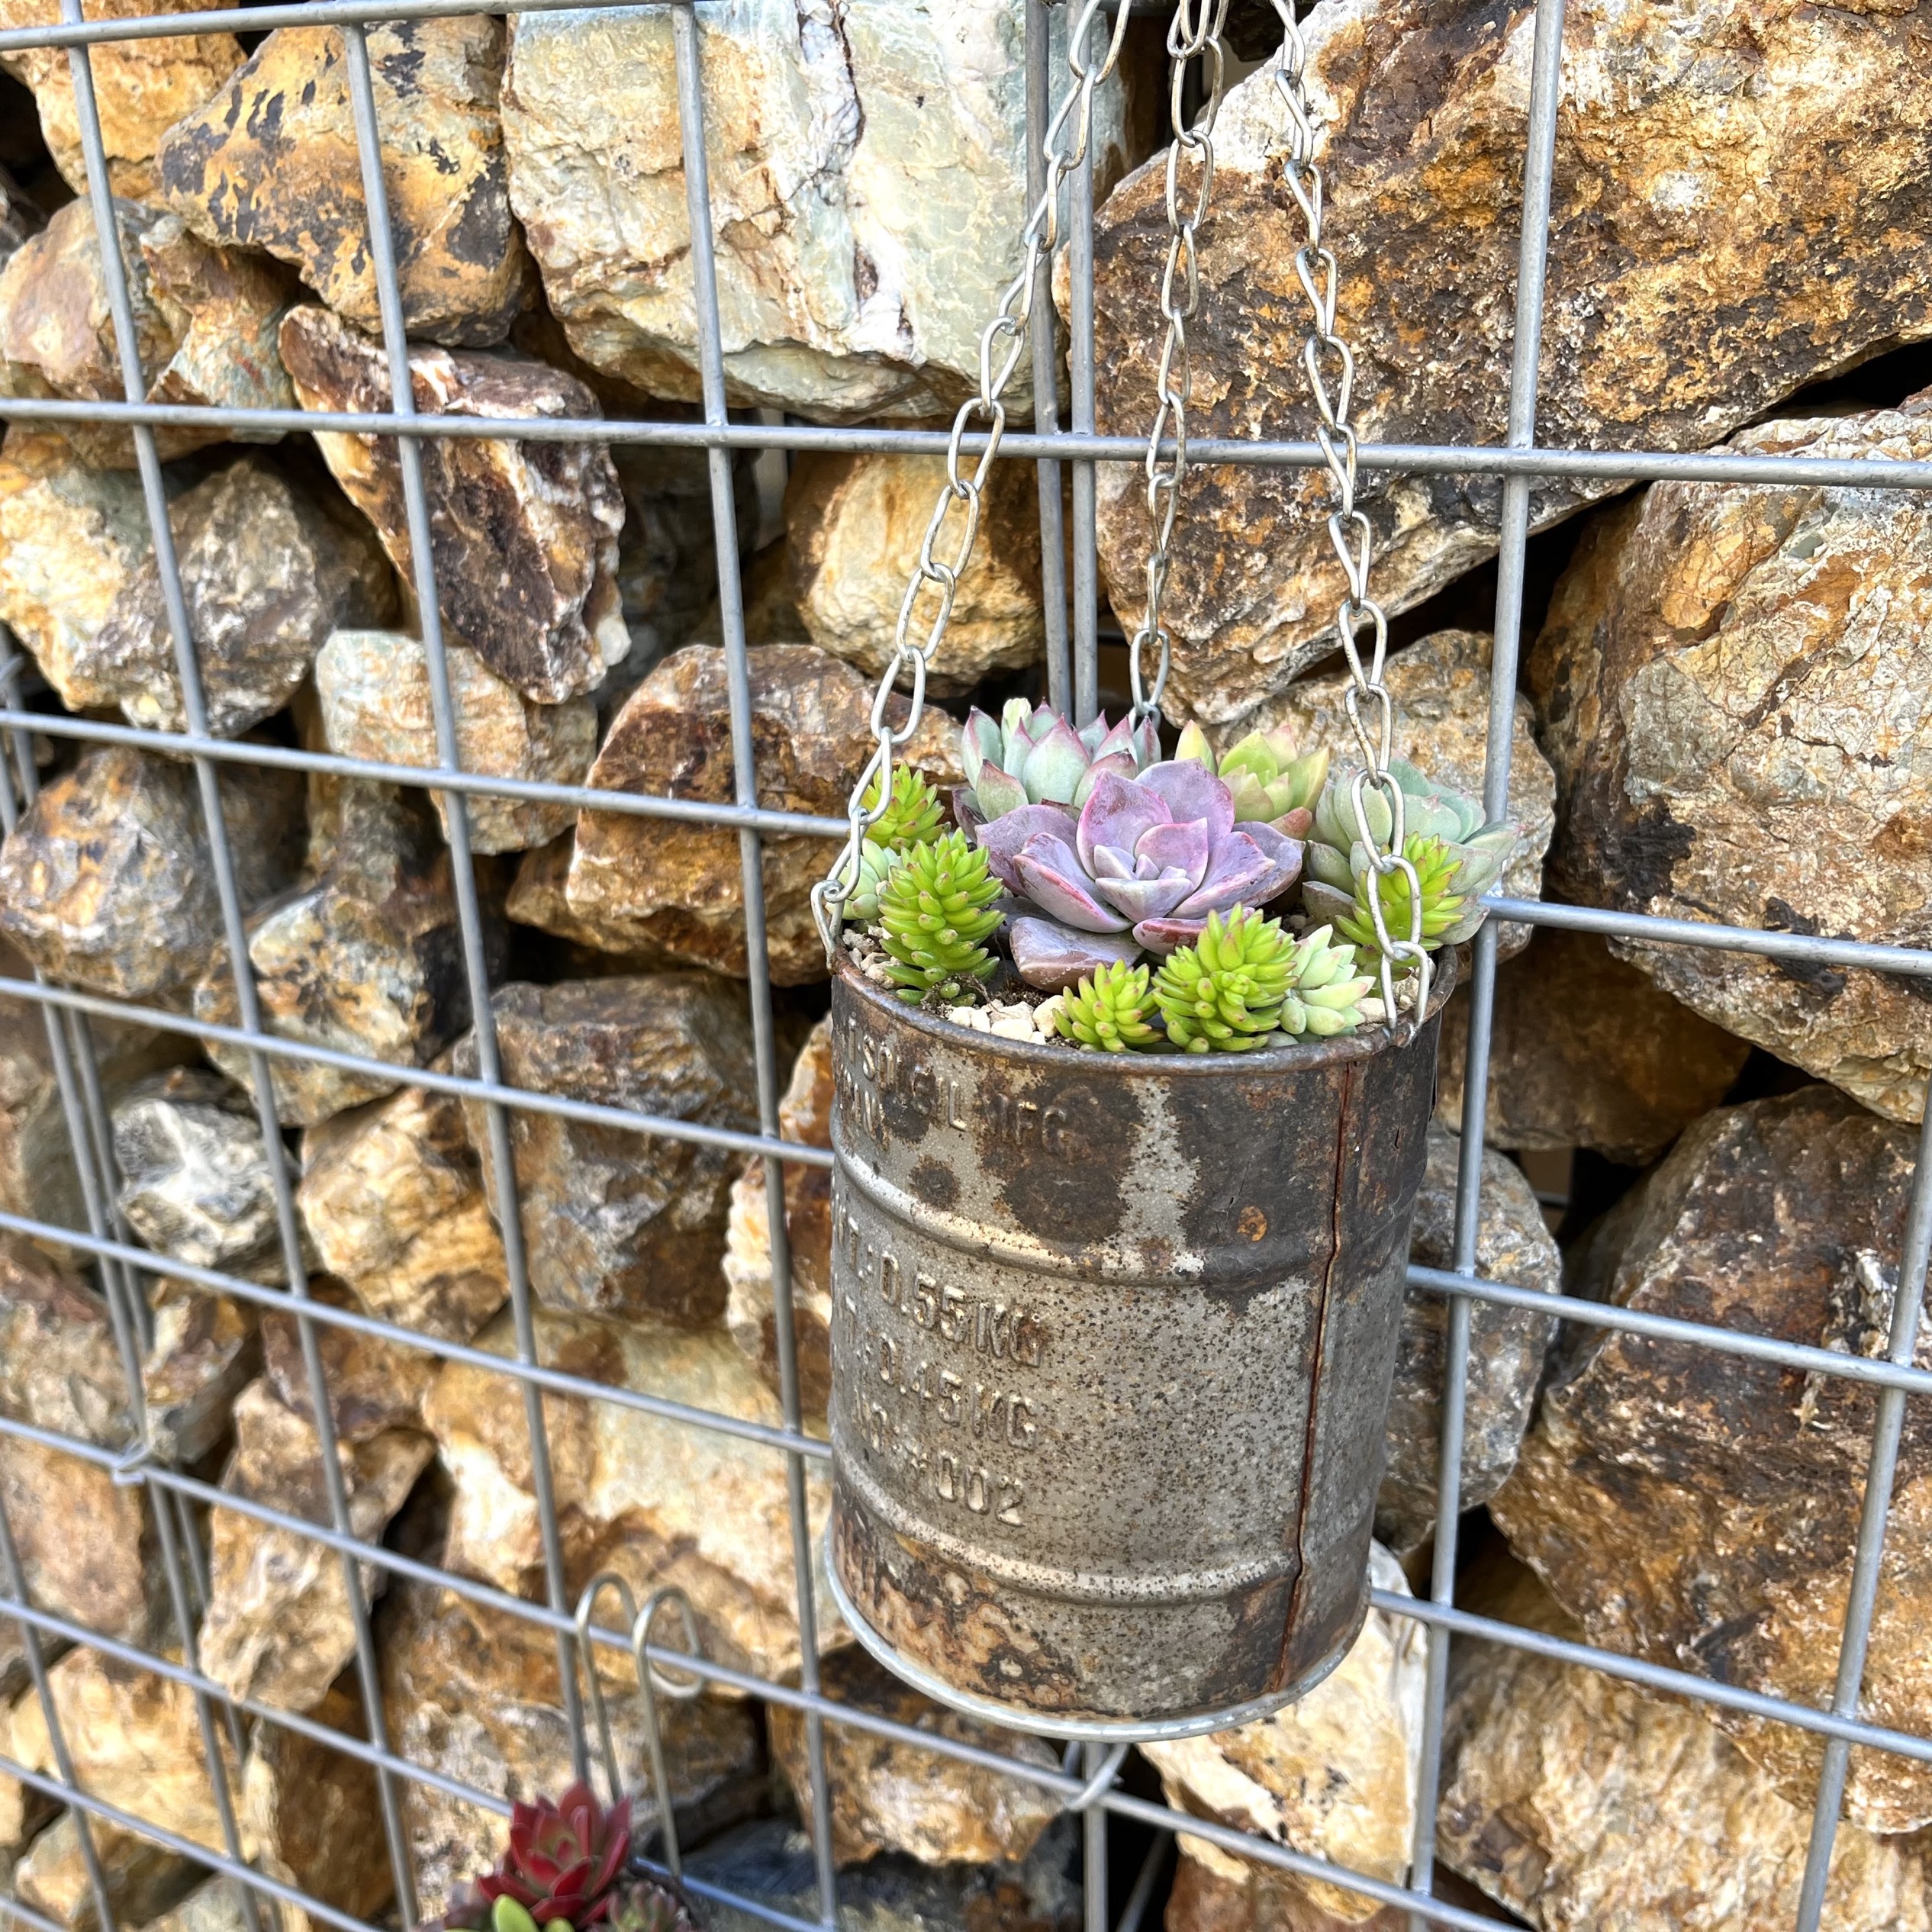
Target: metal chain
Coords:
[[1349, 528], [1064, 146], [1195, 29]]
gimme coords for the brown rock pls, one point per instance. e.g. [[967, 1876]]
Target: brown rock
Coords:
[[268, 567], [106, 882], [143, 1880], [475, 1693], [770, 610], [657, 1501], [216, 1906], [853, 526], [1574, 1800], [523, 535], [278, 1626], [205, 1353], [392, 1197], [271, 163], [1421, 111], [141, 88], [1587, 1052], [890, 1797], [204, 322], [1440, 690], [1332, 1774], [1723, 1495], [374, 689], [1506, 1346], [1203, 1900], [621, 1223], [804, 1115], [683, 882], [1732, 684], [375, 1385], [367, 960], [538, 897]]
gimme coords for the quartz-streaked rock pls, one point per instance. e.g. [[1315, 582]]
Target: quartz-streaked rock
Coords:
[[868, 185], [141, 88], [1333, 1775], [1506, 1351], [1722, 1495], [804, 1115], [205, 322], [889, 1796], [374, 689], [473, 1694], [523, 535], [1661, 198], [1733, 686], [268, 567], [196, 1182], [539, 897], [1573, 1800], [143, 1880], [655, 1500], [106, 882], [278, 1626], [205, 1353], [1440, 690], [854, 525], [620, 1223], [683, 883], [270, 163], [392, 1197], [771, 1862], [1586, 1051], [366, 961]]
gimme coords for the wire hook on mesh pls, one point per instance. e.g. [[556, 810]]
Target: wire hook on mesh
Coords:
[[651, 1681]]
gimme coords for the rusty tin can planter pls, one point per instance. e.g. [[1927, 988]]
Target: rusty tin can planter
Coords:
[[1113, 1338]]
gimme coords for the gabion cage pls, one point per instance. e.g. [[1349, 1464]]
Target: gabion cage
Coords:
[[1091, 1786]]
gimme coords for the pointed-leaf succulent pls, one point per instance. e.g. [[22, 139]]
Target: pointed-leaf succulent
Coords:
[[915, 812], [935, 909], [651, 1905], [1108, 1009], [1444, 909], [1268, 780], [1225, 993], [1324, 989], [562, 1865], [1032, 756]]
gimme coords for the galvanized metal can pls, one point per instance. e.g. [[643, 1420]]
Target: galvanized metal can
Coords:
[[1113, 1341]]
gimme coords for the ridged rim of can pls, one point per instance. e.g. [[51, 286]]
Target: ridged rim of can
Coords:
[[1092, 1730], [1306, 1057]]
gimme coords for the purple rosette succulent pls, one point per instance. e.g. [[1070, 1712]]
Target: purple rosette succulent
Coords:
[[1152, 856], [1032, 756]]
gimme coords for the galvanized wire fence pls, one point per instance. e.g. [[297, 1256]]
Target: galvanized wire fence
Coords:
[[176, 1498]]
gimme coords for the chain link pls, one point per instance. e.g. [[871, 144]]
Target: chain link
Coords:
[[935, 581], [1330, 367]]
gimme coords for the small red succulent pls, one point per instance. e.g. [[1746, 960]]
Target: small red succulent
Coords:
[[565, 1859]]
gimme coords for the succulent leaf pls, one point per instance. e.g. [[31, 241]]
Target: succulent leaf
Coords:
[[563, 1861], [915, 812], [1225, 993], [1108, 1009], [1443, 906], [651, 1905], [1032, 755], [935, 909]]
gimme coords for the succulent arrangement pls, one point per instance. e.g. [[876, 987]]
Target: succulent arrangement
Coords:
[[1204, 902], [565, 1869]]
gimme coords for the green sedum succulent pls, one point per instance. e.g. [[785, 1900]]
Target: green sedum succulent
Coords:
[[916, 814], [1108, 1009], [1324, 989], [1225, 993], [935, 908], [1443, 907], [1268, 780]]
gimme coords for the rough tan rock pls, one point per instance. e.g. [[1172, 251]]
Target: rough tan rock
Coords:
[[683, 882], [538, 897], [1507, 1347], [1333, 1775], [804, 1115], [216, 1906], [1670, 320], [205, 322], [106, 882], [1440, 689], [143, 1880], [1204, 1900], [141, 88], [1586, 1051], [853, 526], [1723, 1495], [268, 567], [890, 1797], [278, 1626], [205, 1353], [270, 163], [1732, 685], [867, 183], [474, 1693], [620, 1223], [1572, 1800], [523, 535], [392, 1197], [374, 689], [658, 1502], [375, 1386], [366, 961]]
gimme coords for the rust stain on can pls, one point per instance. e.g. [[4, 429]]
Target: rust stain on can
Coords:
[[1111, 1349]]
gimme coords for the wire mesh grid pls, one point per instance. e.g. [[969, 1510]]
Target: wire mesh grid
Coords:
[[173, 1497]]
